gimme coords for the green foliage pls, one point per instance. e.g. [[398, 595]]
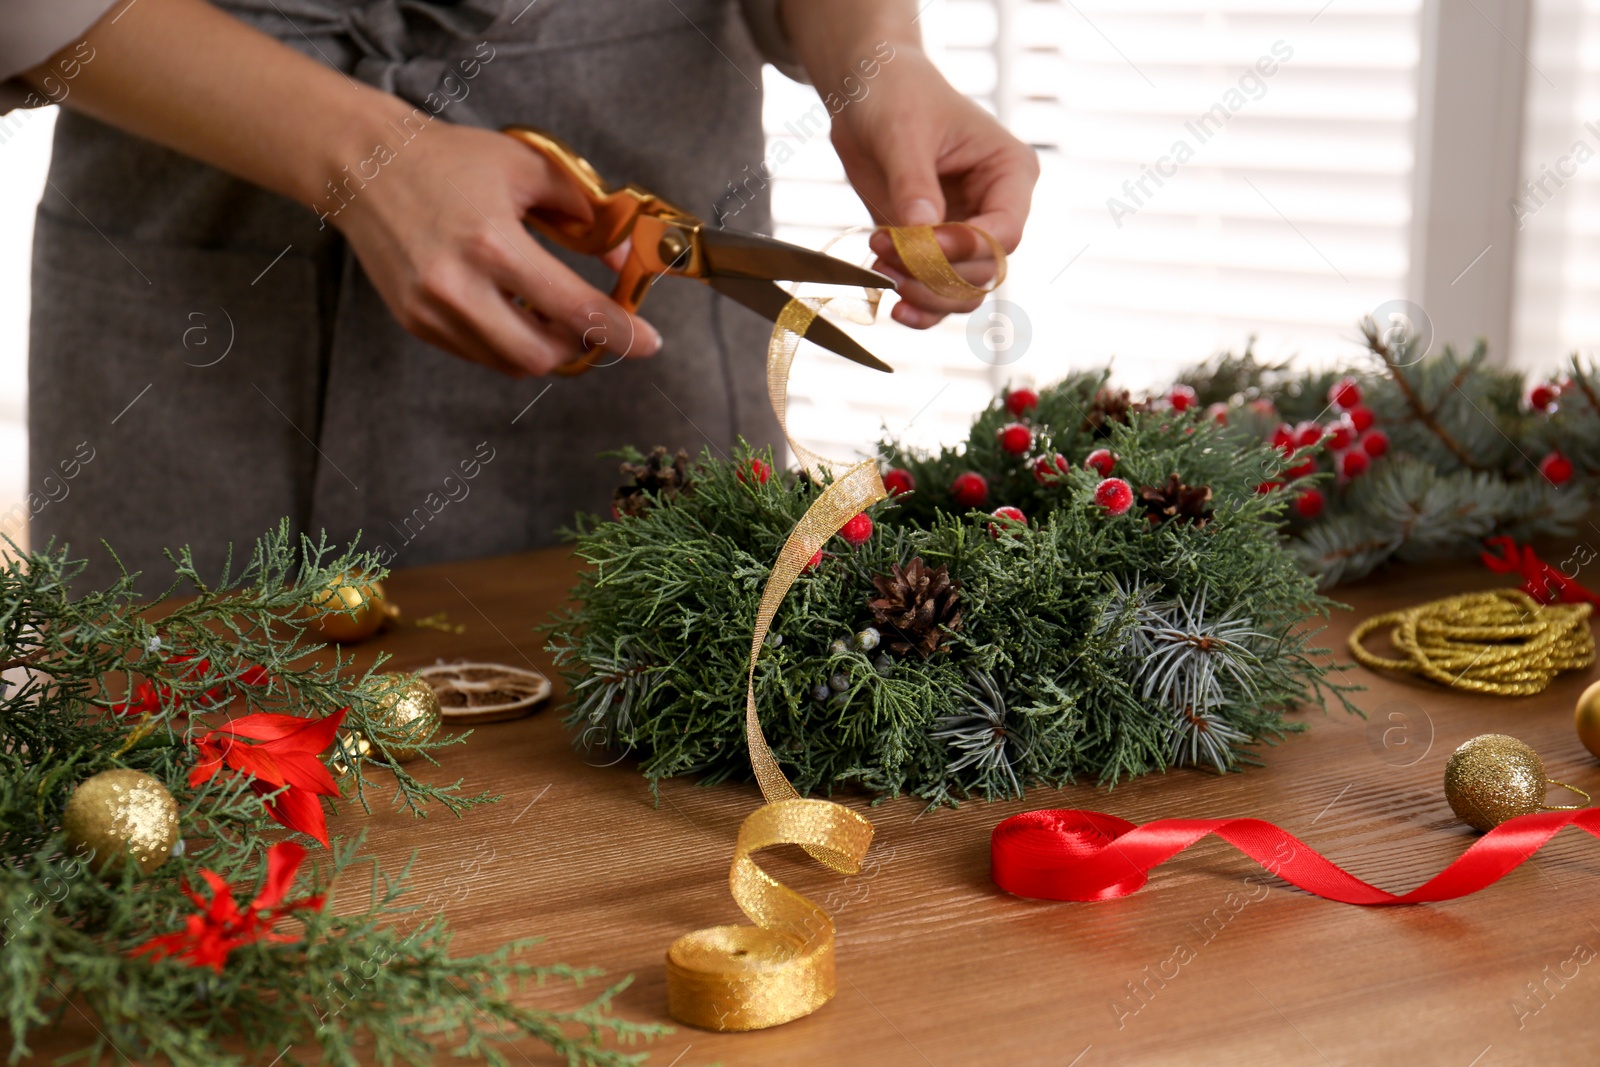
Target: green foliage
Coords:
[[656, 653], [1465, 446], [378, 977]]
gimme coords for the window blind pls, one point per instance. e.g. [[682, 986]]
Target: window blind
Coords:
[[1211, 171]]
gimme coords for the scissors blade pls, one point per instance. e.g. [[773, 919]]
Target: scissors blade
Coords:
[[749, 255], [765, 298]]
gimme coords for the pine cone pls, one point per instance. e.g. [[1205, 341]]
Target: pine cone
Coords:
[[1108, 406], [1176, 501], [656, 477], [916, 605]]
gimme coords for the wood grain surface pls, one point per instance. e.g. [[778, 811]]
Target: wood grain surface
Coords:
[[939, 968]]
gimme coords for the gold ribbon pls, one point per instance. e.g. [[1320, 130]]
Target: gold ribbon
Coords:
[[780, 969], [1502, 642]]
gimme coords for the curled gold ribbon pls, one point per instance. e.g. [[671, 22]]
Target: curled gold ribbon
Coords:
[[780, 969]]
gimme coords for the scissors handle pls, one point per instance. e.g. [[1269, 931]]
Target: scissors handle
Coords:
[[663, 235]]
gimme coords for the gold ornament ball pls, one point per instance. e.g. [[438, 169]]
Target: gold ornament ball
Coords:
[[1588, 719], [1493, 778], [349, 613], [120, 815], [412, 716], [350, 748]]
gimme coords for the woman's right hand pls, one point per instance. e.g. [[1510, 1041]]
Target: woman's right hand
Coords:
[[438, 227], [439, 231]]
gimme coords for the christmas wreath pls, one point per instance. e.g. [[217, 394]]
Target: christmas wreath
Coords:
[[151, 758], [1410, 456], [1089, 587]]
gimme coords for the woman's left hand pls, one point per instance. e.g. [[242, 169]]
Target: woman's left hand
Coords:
[[919, 152]]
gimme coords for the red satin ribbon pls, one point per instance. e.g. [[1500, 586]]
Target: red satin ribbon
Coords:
[[1065, 854], [1541, 581]]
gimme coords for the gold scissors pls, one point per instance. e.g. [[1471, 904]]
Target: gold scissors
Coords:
[[669, 240]]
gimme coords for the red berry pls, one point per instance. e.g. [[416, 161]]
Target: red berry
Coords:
[[1283, 436], [1344, 394], [1218, 413], [816, 561], [898, 481], [1015, 438], [1353, 463], [1021, 401], [1101, 460], [969, 489], [1262, 405], [1114, 495], [1375, 443], [1339, 436], [1307, 434], [1361, 418], [1556, 468], [756, 469], [1050, 469], [1267, 487], [1006, 512], [1309, 504], [1543, 395], [1300, 470], [1182, 398], [858, 530]]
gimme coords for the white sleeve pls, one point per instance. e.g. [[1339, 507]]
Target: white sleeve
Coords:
[[766, 29], [33, 31]]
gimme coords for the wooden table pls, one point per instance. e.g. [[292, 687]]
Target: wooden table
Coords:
[[937, 967]]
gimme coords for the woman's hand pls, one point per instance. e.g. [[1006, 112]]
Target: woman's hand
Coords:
[[437, 226], [916, 150], [439, 232]]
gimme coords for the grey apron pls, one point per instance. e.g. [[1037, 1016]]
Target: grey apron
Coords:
[[224, 361]]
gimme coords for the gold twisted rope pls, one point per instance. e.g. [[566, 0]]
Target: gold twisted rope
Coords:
[[1502, 642], [780, 969]]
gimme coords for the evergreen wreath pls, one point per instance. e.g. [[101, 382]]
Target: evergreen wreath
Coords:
[[115, 684], [941, 648], [1419, 456]]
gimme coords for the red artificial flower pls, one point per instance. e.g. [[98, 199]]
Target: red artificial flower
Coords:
[[255, 675], [207, 938], [145, 699], [285, 758]]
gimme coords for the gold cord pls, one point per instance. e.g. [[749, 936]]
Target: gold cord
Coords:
[[1502, 642]]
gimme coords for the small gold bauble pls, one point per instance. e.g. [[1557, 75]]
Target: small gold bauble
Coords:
[[411, 715], [350, 748], [349, 613], [121, 814], [1588, 719], [1493, 778]]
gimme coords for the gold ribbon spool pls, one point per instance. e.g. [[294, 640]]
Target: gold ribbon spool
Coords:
[[752, 977], [1502, 642]]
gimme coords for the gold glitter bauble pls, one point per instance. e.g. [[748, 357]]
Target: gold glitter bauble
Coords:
[[412, 716], [349, 613], [349, 749], [122, 814], [1493, 778], [1587, 719]]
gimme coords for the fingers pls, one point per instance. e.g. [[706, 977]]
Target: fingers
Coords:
[[911, 174], [578, 316], [1003, 201]]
